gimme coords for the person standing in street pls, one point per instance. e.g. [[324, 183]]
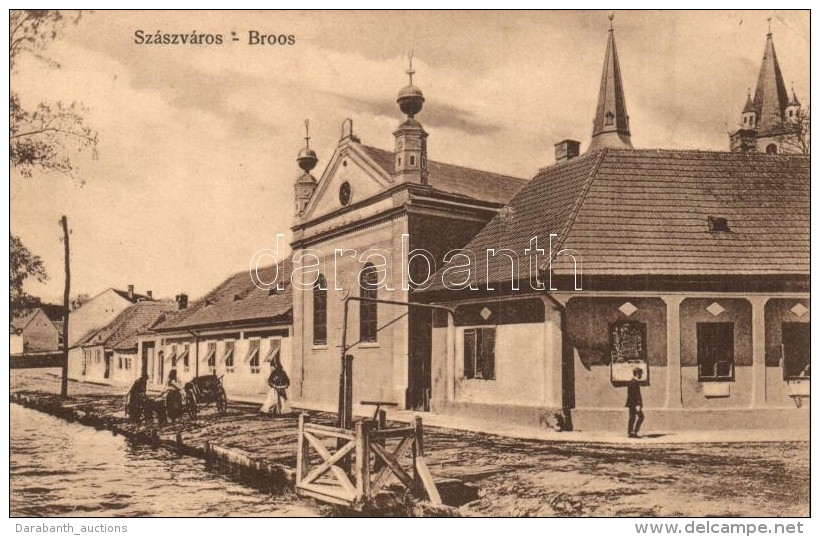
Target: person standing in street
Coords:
[[278, 383], [634, 403]]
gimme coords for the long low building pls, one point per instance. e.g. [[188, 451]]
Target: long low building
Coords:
[[670, 261], [235, 331]]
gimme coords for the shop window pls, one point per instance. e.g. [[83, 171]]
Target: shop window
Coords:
[[229, 358], [210, 357], [796, 350], [716, 351], [185, 358], [479, 353], [253, 356], [274, 351]]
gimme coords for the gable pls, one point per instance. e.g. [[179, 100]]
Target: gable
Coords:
[[352, 165], [39, 323]]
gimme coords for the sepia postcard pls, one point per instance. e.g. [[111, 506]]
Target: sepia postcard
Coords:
[[410, 263]]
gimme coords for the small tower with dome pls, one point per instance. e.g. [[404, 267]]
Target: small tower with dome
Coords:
[[306, 184], [410, 160]]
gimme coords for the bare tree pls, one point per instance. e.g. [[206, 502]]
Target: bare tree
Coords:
[[799, 139]]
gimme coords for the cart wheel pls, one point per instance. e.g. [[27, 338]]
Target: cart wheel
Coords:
[[222, 402], [192, 408]]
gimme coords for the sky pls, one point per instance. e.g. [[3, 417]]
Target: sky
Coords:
[[197, 144]]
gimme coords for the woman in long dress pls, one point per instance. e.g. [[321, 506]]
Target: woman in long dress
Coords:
[[278, 383]]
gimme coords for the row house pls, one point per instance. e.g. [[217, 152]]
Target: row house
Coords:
[[109, 353], [235, 331], [94, 314]]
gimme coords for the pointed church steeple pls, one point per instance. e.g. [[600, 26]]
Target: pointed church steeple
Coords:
[[611, 126], [771, 97], [770, 122]]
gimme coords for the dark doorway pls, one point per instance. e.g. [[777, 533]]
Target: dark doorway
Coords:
[[147, 348], [796, 350], [420, 358], [716, 351]]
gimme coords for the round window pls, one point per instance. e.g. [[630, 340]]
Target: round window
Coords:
[[344, 193]]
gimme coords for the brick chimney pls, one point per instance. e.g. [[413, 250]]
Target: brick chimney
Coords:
[[567, 149], [149, 294], [182, 301], [131, 291]]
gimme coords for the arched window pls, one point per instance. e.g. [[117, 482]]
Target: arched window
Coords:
[[771, 149], [320, 311], [412, 161], [368, 311]]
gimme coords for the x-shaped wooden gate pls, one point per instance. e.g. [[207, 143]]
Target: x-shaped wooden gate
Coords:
[[331, 479]]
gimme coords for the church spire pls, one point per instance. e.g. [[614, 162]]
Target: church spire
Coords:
[[771, 97], [611, 126]]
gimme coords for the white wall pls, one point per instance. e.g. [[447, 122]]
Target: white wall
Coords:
[[519, 361], [96, 313], [380, 368], [241, 381]]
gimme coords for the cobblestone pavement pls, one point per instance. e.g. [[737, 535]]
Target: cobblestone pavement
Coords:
[[528, 477]]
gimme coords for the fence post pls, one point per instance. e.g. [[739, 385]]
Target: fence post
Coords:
[[363, 460], [422, 479], [346, 418], [418, 452], [381, 424], [348, 392], [302, 447]]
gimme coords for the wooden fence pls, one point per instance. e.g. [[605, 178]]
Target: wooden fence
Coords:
[[349, 467]]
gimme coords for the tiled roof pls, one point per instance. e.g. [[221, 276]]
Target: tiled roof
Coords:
[[53, 311], [121, 333], [237, 300], [135, 298], [646, 212], [476, 184]]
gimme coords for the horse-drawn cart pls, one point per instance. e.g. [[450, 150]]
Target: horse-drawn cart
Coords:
[[205, 390], [171, 403]]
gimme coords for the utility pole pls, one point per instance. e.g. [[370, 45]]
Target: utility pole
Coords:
[[66, 291]]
